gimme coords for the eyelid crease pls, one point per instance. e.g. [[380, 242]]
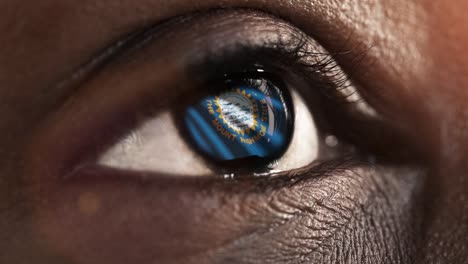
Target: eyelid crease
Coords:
[[299, 50], [98, 61], [277, 37]]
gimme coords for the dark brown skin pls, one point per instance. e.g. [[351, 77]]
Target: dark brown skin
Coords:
[[414, 73]]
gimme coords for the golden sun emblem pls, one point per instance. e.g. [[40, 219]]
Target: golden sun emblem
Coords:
[[238, 111]]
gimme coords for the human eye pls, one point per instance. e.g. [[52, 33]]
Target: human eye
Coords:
[[268, 101], [246, 123], [212, 127]]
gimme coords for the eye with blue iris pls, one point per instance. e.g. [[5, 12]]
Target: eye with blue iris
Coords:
[[247, 123], [270, 103], [250, 119]]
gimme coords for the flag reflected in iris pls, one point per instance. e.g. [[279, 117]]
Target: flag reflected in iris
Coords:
[[251, 118]]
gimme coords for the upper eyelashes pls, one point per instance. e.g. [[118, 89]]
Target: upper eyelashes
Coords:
[[122, 115], [243, 124], [248, 126]]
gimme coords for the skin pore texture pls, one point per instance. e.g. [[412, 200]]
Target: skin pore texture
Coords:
[[413, 73]]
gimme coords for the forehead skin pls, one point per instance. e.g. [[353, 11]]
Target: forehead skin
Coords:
[[419, 76]]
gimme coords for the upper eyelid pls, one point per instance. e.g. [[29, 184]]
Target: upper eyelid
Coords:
[[291, 39], [93, 83], [140, 37], [146, 44], [126, 48]]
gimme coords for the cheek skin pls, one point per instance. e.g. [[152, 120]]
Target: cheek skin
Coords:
[[316, 220], [447, 99]]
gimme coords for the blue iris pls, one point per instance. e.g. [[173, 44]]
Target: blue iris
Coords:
[[249, 119]]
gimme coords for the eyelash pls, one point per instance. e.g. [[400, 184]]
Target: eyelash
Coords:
[[324, 79], [244, 61]]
